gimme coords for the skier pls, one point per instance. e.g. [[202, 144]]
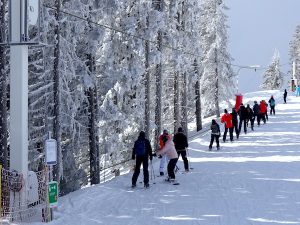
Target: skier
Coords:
[[284, 96], [250, 116], [181, 143], [243, 116], [227, 120], [272, 105], [262, 111], [164, 158], [256, 112], [142, 151], [215, 134], [235, 122], [169, 151]]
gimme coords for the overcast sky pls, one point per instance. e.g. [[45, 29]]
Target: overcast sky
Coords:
[[257, 28]]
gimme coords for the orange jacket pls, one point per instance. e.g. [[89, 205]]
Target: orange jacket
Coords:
[[161, 143], [262, 107], [227, 119]]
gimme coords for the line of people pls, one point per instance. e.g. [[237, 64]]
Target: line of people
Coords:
[[170, 150], [234, 121]]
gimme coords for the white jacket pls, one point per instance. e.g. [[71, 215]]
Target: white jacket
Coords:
[[169, 150]]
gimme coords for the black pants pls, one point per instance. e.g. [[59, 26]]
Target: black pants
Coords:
[[171, 167], [212, 138], [284, 99], [236, 129], [262, 116], [139, 161], [230, 133], [245, 125], [272, 110], [184, 158]]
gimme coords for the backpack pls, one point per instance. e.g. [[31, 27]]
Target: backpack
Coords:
[[272, 102], [140, 147]]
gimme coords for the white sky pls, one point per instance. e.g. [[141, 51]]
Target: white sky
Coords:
[[257, 27]]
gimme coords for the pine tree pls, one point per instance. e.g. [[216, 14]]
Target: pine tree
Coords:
[[273, 77]]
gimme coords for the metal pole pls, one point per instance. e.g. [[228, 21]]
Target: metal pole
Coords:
[[18, 98]]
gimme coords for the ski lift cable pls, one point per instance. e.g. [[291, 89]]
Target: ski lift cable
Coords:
[[132, 35]]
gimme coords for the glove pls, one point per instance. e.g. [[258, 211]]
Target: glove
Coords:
[[159, 157], [154, 155]]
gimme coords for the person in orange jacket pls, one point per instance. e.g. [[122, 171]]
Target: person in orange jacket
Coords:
[[164, 158], [263, 110], [227, 120]]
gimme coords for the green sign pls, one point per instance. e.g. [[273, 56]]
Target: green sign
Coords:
[[53, 193]]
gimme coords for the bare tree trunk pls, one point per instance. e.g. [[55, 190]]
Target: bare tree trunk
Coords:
[[57, 95], [198, 98], [184, 119], [147, 87], [94, 150], [3, 91], [176, 102], [158, 78], [216, 94]]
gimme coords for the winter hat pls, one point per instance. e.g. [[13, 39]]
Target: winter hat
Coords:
[[142, 134], [225, 111], [165, 132], [180, 129]]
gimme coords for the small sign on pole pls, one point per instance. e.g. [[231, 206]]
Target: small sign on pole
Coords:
[[51, 154], [53, 193]]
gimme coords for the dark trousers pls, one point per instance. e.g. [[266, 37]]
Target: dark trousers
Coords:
[[212, 138], [171, 167], [139, 161], [184, 158], [284, 99], [230, 133], [272, 110], [257, 119], [236, 129], [245, 125], [262, 116]]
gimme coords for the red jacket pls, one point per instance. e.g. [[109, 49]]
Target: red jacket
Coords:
[[227, 119], [262, 107], [161, 143]]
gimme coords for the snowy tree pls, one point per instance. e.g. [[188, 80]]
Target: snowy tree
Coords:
[[217, 83], [273, 77], [295, 52]]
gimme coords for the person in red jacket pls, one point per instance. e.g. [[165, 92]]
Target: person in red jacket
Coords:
[[227, 120], [263, 110]]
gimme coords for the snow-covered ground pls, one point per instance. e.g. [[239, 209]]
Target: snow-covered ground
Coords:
[[255, 180]]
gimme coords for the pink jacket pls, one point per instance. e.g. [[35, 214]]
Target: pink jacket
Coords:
[[169, 150]]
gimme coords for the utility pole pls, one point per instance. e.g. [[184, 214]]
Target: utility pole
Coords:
[[19, 93]]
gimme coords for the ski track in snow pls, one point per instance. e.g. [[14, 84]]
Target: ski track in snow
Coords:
[[252, 181]]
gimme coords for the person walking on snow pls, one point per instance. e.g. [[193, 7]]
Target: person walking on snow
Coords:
[[170, 151], [284, 96], [262, 111], [235, 122], [250, 116], [227, 120], [181, 143], [256, 112], [243, 117], [298, 90], [163, 159], [266, 114], [215, 134], [142, 151], [272, 105]]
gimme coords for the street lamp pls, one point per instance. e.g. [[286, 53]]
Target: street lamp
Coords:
[[255, 67]]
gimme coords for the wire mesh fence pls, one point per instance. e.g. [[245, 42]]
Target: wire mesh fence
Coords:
[[23, 199]]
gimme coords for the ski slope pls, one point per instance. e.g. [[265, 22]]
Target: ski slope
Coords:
[[252, 181]]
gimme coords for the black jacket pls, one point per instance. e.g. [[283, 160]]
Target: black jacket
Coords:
[[215, 129], [180, 141], [250, 113], [148, 148], [234, 118], [256, 109], [242, 112]]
